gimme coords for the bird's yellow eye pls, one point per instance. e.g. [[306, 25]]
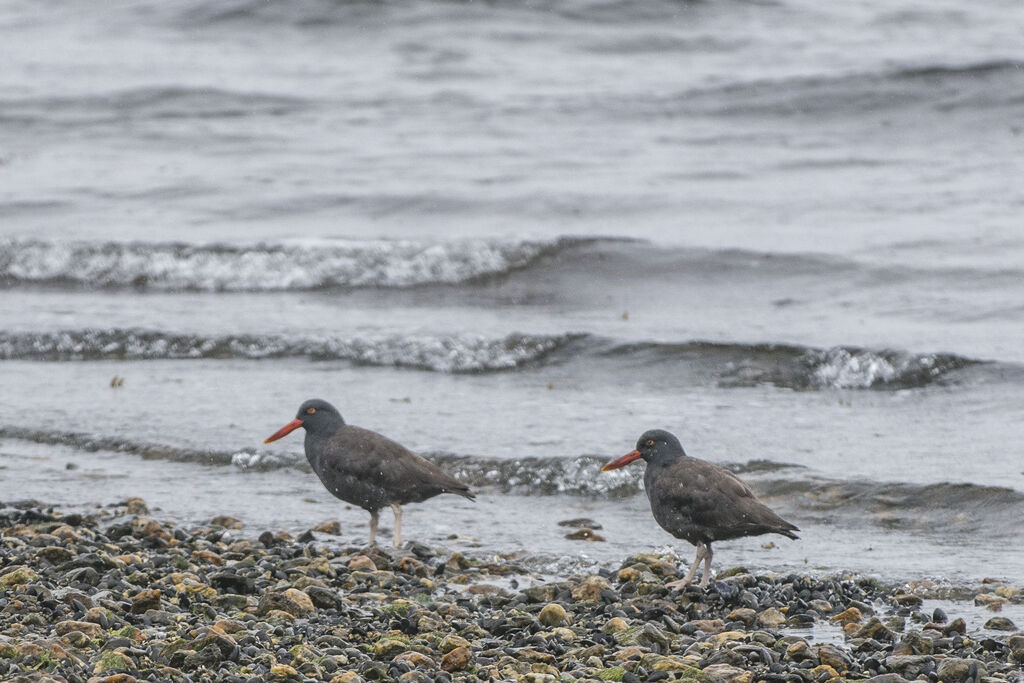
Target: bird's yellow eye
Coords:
[[310, 411], [650, 442]]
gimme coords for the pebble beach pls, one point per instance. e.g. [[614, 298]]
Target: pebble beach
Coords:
[[118, 595]]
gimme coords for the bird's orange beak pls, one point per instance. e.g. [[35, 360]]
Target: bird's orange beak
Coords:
[[284, 431], [623, 461]]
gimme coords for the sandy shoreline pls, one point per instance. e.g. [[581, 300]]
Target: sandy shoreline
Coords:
[[120, 595]]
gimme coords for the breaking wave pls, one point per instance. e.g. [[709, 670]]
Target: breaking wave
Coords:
[[798, 367], [729, 365], [903, 505], [827, 494], [939, 86], [859, 368], [454, 353], [157, 103], [216, 267], [587, 264], [578, 476], [92, 443]]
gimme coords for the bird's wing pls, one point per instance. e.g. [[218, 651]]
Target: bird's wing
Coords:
[[395, 468], [714, 498]]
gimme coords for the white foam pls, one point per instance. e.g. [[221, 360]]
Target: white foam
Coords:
[[247, 460], [844, 369], [372, 263], [448, 353], [458, 353]]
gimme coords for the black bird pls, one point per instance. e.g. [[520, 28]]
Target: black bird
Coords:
[[364, 468], [697, 501]]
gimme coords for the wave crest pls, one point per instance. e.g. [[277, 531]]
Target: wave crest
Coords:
[[453, 353], [929, 86], [799, 367], [730, 365], [335, 264], [846, 368], [575, 476], [962, 506], [902, 505], [91, 443]]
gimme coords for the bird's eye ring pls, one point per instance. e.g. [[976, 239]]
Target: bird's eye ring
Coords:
[[650, 442], [310, 411]]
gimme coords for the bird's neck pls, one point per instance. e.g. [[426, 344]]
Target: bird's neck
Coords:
[[325, 430], [322, 433], [666, 459]]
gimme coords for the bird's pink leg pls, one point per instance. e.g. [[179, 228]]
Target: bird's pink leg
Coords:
[[707, 567], [398, 524], [373, 527], [688, 579]]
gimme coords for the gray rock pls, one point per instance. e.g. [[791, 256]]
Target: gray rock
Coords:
[[324, 598], [955, 670], [209, 656], [1000, 624], [887, 678], [651, 635], [910, 666]]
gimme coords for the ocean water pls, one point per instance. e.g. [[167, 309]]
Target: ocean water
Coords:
[[513, 236]]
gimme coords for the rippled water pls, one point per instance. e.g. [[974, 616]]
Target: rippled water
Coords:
[[513, 236]]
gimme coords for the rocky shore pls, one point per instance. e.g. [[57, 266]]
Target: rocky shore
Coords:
[[119, 596]]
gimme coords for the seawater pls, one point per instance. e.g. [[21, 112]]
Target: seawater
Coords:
[[513, 237]]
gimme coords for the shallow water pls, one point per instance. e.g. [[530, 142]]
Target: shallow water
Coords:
[[513, 237]]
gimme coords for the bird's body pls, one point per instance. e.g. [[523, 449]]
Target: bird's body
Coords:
[[365, 468], [698, 501]]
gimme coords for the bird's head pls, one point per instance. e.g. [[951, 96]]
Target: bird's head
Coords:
[[654, 445], [315, 415]]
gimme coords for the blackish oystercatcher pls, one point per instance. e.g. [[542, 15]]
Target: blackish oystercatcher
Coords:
[[697, 501], [364, 468]]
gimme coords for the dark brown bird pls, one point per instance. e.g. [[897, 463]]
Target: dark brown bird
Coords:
[[697, 501], [364, 468]]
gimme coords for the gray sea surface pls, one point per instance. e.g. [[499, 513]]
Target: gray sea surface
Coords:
[[514, 235]]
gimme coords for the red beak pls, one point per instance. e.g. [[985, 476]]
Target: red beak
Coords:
[[284, 431], [623, 461]]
